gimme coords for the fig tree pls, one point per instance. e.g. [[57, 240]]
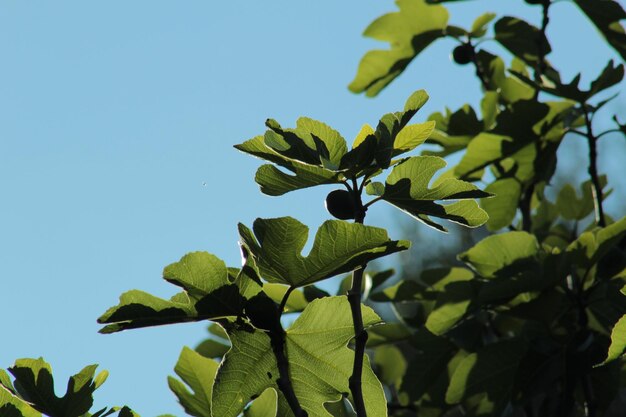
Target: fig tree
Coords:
[[463, 54], [340, 204]]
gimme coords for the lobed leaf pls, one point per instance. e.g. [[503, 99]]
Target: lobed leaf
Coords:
[[35, 385], [407, 187], [209, 293], [338, 247], [409, 31]]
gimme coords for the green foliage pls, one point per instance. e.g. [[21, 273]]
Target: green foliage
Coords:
[[528, 320]]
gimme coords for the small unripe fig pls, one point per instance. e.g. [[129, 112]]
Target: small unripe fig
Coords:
[[463, 54], [340, 204]]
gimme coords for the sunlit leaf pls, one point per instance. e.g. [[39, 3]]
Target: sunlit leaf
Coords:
[[264, 406], [494, 253], [407, 187], [618, 341], [409, 31], [198, 372], [479, 27], [338, 247], [502, 207]]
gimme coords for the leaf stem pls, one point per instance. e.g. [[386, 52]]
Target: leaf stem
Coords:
[[596, 187], [283, 302], [542, 46], [606, 132], [360, 334], [480, 74]]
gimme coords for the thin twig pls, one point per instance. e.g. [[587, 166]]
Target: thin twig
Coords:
[[527, 195], [596, 187], [606, 132], [480, 74]]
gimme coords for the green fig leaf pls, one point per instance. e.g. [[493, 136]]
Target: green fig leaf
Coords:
[[409, 31], [479, 27], [407, 187], [338, 247], [502, 207], [198, 373], [494, 253], [275, 182], [618, 341], [35, 384], [209, 293], [264, 406]]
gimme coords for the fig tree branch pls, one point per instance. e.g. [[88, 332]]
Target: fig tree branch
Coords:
[[360, 334], [277, 337]]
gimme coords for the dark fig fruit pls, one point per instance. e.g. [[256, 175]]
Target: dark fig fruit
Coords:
[[463, 54], [340, 204]]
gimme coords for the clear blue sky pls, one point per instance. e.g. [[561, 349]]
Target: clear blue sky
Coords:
[[117, 121]]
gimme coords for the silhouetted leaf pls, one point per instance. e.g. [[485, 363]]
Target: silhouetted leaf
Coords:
[[610, 76], [428, 362], [521, 39], [606, 15], [491, 370], [35, 384]]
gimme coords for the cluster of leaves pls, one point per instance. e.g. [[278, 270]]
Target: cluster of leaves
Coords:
[[309, 363], [535, 321]]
